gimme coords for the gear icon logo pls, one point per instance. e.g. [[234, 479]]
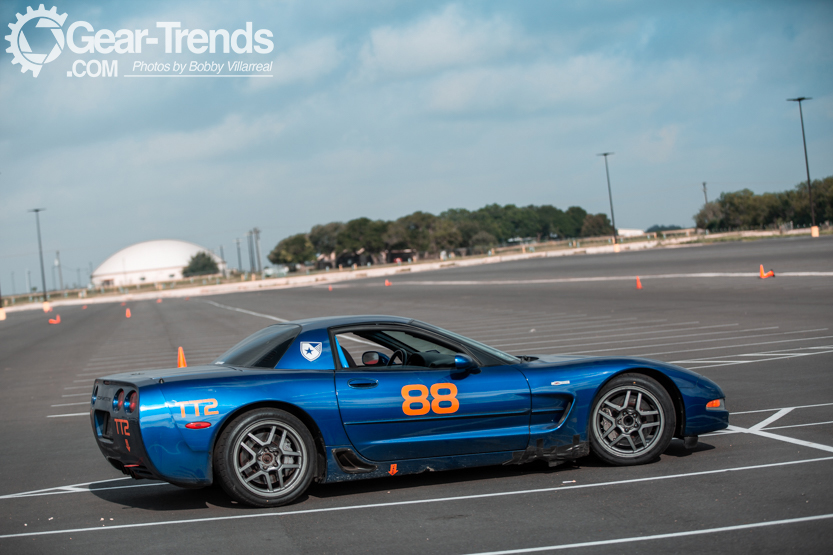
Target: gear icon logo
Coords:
[[20, 49]]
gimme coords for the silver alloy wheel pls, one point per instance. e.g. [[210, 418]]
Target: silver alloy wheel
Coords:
[[628, 421], [270, 458]]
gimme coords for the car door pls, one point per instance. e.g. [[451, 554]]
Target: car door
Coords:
[[406, 411]]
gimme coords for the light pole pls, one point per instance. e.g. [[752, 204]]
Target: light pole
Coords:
[[40, 250], [610, 194], [256, 233], [60, 269], [806, 162], [704, 193], [250, 240]]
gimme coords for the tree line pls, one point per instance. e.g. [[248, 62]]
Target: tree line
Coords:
[[745, 209], [428, 235]]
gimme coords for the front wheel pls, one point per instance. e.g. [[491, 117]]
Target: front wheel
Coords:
[[632, 421], [265, 458]]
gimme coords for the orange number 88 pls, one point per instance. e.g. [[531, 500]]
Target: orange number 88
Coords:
[[451, 397], [422, 399]]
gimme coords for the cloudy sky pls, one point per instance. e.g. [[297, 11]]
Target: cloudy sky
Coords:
[[381, 108]]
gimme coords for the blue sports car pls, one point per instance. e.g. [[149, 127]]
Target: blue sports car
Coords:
[[344, 398]]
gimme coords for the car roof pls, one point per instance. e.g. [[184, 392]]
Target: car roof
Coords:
[[330, 321]]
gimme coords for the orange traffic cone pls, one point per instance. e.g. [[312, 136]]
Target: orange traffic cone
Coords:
[[47, 307], [331, 288], [123, 304], [769, 274], [2, 314], [56, 320], [127, 313], [84, 307], [158, 301], [387, 283], [638, 283], [180, 359]]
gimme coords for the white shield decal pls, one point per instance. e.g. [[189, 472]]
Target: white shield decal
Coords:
[[311, 351]]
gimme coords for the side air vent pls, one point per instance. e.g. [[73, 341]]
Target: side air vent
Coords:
[[351, 463]]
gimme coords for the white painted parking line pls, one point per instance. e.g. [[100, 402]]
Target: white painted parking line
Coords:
[[768, 356], [665, 337], [559, 317], [560, 488], [235, 309], [64, 415], [766, 422], [78, 387], [71, 404], [697, 341], [523, 328], [782, 408], [611, 278], [800, 425], [71, 487], [736, 346], [758, 430], [792, 440], [566, 337], [524, 325], [76, 395], [622, 541], [553, 328]]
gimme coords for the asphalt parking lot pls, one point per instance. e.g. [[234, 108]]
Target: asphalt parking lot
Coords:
[[765, 485]]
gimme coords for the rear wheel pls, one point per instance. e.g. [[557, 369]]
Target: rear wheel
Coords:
[[265, 458], [632, 421]]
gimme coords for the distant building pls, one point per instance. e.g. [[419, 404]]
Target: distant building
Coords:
[[148, 262], [629, 232]]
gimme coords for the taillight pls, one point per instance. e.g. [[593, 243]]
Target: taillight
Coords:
[[132, 402], [118, 400]]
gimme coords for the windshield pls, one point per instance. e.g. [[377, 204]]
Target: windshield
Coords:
[[262, 349], [500, 355]]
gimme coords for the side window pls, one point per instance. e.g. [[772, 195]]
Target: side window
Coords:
[[393, 349], [352, 348]]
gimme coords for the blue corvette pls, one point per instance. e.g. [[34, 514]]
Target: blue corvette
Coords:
[[345, 398]]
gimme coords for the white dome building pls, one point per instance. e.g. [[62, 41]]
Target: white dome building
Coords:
[[148, 262]]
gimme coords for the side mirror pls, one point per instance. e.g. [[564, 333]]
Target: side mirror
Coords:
[[370, 358], [465, 363], [374, 358]]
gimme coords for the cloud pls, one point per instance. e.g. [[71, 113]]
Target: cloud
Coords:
[[656, 145], [448, 39], [525, 87], [304, 64]]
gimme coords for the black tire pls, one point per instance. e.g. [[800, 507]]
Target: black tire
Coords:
[[265, 458], [632, 420]]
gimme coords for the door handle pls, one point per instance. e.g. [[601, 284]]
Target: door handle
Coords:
[[362, 383]]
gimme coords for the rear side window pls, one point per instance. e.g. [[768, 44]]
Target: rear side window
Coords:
[[262, 349]]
